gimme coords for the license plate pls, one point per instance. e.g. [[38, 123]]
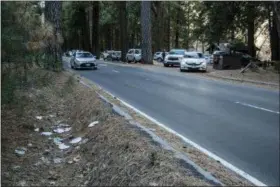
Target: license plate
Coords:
[[87, 64]]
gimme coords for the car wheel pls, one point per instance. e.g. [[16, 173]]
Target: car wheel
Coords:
[[165, 65], [159, 59], [134, 60], [127, 60], [182, 70]]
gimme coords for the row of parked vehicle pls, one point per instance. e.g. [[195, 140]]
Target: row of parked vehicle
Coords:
[[133, 55]]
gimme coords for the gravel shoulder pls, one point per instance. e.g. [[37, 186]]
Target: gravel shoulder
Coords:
[[63, 134]]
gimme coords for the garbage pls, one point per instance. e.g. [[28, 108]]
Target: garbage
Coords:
[[46, 133], [62, 146], [39, 117], [36, 130], [45, 160], [57, 141], [77, 158], [52, 116], [29, 145], [63, 125], [75, 140], [62, 130], [85, 141], [57, 160], [93, 124], [20, 151]]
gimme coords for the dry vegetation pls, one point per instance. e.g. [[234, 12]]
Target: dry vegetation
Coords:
[[110, 153]]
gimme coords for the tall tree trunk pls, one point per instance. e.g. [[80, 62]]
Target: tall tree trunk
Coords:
[[95, 28], [53, 10], [251, 29], [158, 25], [177, 27], [276, 24], [146, 32], [123, 28], [86, 31], [168, 27]]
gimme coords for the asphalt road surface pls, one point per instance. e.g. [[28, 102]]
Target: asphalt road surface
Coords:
[[238, 123]]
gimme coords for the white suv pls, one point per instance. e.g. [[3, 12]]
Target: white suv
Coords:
[[133, 55]]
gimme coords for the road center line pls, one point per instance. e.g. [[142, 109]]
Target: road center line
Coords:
[[256, 107], [115, 71]]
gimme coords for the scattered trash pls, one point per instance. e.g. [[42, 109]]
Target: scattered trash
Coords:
[[16, 167], [46, 133], [20, 151], [22, 183], [39, 117], [57, 141], [63, 125], [62, 146], [52, 116], [85, 140], [153, 184], [70, 162], [29, 145], [36, 130], [77, 158], [57, 160], [62, 130], [45, 160], [93, 124], [75, 140], [52, 183]]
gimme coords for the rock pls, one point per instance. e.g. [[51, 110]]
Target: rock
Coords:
[[16, 168], [153, 184], [93, 124], [52, 183], [70, 162]]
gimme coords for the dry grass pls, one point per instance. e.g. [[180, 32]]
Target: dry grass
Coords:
[[115, 152]]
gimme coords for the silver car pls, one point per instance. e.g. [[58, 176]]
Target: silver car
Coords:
[[83, 60]]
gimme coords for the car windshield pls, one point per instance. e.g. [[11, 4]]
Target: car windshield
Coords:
[[177, 52], [194, 55], [84, 55]]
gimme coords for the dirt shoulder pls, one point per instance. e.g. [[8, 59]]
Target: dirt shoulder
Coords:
[[63, 134], [223, 174], [263, 78]]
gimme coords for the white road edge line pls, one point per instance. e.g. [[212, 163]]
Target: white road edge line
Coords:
[[256, 107], [205, 151], [115, 71]]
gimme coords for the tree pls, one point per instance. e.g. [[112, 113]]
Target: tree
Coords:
[[53, 11], [95, 28], [123, 28], [146, 32]]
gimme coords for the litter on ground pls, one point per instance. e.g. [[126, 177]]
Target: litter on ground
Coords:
[[39, 117], [46, 133], [76, 140], [93, 124], [20, 151], [62, 130], [62, 146]]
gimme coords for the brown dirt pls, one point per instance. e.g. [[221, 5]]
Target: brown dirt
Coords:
[[226, 176], [115, 153]]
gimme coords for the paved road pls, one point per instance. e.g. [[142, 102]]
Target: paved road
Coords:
[[240, 124]]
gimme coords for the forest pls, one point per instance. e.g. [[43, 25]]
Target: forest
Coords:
[[41, 29]]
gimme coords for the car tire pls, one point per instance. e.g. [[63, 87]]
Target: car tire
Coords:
[[181, 70], [159, 59], [165, 65], [127, 60], [134, 60]]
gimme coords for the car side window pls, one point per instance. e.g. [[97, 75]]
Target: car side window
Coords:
[[137, 52], [130, 51]]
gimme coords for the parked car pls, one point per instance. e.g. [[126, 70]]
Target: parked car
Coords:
[[115, 55], [207, 58], [105, 54], [174, 57], [133, 55], [193, 61], [158, 56], [83, 60]]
